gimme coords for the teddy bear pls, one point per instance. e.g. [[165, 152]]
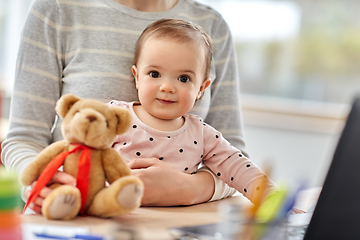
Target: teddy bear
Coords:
[[89, 128]]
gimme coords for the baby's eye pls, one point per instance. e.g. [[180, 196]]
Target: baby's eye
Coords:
[[184, 78], [154, 74]]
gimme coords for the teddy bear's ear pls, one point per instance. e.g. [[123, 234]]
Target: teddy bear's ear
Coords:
[[124, 119], [65, 103]]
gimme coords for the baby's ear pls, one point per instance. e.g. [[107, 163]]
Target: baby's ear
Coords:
[[136, 75], [124, 119], [64, 104]]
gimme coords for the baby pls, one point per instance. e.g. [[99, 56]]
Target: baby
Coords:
[[171, 69]]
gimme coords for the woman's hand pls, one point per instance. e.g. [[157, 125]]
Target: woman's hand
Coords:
[[60, 178], [166, 186]]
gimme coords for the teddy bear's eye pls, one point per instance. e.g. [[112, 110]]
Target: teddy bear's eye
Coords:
[[107, 124]]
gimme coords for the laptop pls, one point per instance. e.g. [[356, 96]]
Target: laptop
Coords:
[[337, 212]]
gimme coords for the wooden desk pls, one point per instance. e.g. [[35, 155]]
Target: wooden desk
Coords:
[[155, 222], [148, 222]]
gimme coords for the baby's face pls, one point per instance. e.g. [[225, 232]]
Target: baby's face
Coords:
[[169, 77]]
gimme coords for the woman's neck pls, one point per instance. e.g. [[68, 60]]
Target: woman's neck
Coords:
[[149, 5]]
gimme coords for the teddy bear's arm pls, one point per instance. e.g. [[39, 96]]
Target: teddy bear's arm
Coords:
[[114, 166], [33, 170]]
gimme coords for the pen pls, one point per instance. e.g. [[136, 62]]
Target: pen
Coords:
[[273, 205], [288, 205], [78, 236]]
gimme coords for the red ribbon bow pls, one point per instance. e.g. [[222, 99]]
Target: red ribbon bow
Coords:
[[82, 179]]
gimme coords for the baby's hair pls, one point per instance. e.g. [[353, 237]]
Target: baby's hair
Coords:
[[179, 31]]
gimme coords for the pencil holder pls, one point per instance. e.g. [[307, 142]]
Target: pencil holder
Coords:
[[10, 203], [233, 219], [236, 226]]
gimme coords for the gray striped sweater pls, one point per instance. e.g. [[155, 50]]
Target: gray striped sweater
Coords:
[[86, 47]]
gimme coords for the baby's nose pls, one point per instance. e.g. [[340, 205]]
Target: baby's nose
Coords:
[[167, 86]]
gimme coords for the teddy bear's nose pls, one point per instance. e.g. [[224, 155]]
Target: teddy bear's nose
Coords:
[[91, 118]]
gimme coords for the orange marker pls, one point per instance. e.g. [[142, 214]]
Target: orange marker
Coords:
[[262, 184]]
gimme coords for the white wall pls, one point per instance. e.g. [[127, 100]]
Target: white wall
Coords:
[[297, 139], [295, 156]]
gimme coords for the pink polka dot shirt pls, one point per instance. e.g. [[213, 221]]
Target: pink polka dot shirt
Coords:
[[188, 146]]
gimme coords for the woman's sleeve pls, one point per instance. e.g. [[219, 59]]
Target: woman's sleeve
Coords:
[[222, 190], [37, 87], [225, 109]]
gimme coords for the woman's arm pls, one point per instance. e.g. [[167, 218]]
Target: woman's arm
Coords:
[[221, 189], [37, 87], [225, 109], [166, 186]]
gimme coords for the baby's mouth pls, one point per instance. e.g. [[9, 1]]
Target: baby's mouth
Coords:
[[164, 101]]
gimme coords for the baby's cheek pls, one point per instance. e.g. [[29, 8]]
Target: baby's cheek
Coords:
[[188, 102]]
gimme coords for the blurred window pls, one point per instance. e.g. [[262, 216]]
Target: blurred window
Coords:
[[299, 49], [12, 17]]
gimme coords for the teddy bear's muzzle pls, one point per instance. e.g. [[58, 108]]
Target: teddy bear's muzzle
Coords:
[[88, 126]]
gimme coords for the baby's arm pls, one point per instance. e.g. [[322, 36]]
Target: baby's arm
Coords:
[[231, 166]]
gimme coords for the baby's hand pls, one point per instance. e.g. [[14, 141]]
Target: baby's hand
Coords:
[[60, 178]]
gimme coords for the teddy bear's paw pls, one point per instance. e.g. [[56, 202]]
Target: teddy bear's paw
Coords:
[[130, 196], [62, 205]]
